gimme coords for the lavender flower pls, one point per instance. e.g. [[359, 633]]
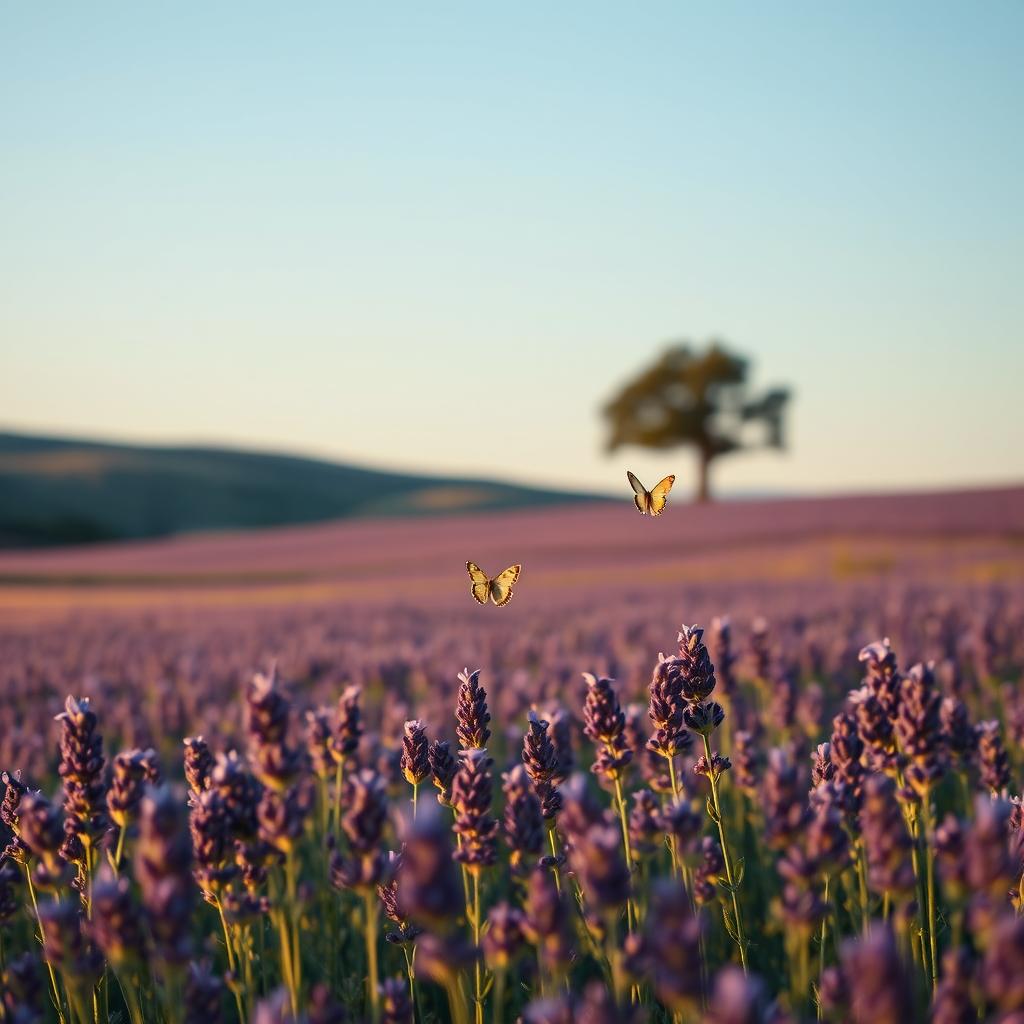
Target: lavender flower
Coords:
[[198, 764], [115, 921], [1002, 971], [722, 654], [163, 863], [319, 743], [644, 825], [276, 764], [545, 922], [349, 727], [415, 753], [131, 769], [992, 759], [472, 792], [666, 709], [845, 749], [668, 953], [959, 735], [67, 947], [597, 860], [746, 759], [785, 806], [40, 830], [81, 770], [561, 732], [540, 760], [882, 677], [503, 937], [523, 819], [604, 723], [952, 1002], [363, 824], [395, 1004], [471, 712], [737, 998], [443, 767], [428, 886], [203, 995], [880, 990], [886, 842], [918, 728], [22, 993]]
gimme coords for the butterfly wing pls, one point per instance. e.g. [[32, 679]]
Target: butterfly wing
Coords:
[[641, 496], [659, 495], [481, 583], [501, 585]]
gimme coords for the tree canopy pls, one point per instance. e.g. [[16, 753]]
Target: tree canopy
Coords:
[[698, 398]]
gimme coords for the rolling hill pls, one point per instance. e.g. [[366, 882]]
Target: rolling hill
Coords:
[[56, 491]]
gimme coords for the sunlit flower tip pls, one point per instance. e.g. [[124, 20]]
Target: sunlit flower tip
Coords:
[[471, 713], [415, 758], [198, 763]]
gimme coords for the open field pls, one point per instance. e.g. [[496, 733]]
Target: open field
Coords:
[[959, 537], [826, 843]]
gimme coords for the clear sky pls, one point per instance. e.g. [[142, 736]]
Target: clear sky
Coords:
[[436, 236]]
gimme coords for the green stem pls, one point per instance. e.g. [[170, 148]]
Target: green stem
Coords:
[[553, 843], [929, 853], [49, 967], [119, 851], [415, 797], [726, 857], [672, 845], [286, 959], [477, 980], [371, 954], [131, 999], [630, 910], [410, 971], [498, 1003], [293, 922], [824, 939], [862, 883], [338, 776]]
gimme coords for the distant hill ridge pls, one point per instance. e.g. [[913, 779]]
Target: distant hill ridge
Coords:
[[56, 490]]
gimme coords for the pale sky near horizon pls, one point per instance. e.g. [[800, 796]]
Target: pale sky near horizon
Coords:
[[436, 236]]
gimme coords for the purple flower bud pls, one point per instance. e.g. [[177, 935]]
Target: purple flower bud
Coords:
[[471, 712], [198, 763], [523, 821], [604, 723], [879, 985], [395, 1003], [503, 937], [415, 761]]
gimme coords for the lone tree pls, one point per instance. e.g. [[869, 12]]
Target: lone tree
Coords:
[[696, 398]]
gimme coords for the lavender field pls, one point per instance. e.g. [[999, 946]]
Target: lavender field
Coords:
[[746, 763]]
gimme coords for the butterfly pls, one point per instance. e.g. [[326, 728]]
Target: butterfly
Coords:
[[499, 590], [653, 500]]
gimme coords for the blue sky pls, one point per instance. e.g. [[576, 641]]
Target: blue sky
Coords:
[[436, 236]]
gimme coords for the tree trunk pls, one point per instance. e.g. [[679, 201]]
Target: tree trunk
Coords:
[[703, 465]]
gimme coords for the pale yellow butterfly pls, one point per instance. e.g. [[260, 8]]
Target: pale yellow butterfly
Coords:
[[499, 589], [650, 501]]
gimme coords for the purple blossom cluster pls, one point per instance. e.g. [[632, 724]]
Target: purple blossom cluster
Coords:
[[777, 822]]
